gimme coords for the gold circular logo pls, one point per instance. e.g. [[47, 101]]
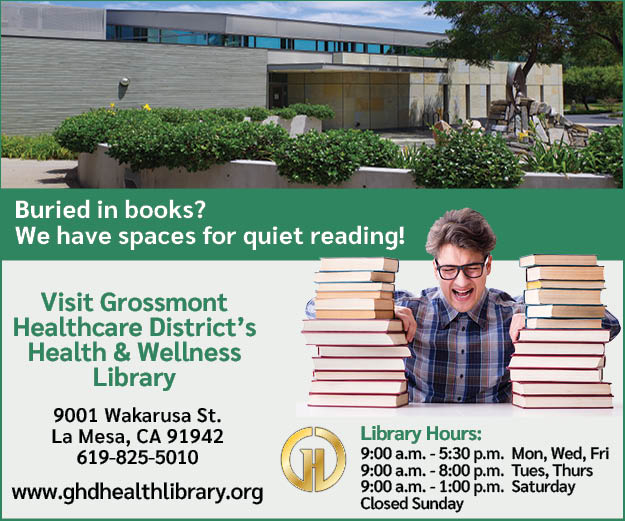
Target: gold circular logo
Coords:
[[320, 483]]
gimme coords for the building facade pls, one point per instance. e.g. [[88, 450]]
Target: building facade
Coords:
[[60, 61]]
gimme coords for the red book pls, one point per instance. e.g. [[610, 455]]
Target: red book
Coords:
[[358, 400], [562, 401]]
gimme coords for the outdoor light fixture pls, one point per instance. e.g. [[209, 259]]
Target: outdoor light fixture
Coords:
[[124, 82]]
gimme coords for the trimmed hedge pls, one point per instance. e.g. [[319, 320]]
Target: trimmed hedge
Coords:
[[466, 159], [332, 157]]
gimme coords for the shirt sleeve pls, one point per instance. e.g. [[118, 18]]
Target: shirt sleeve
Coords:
[[611, 322]]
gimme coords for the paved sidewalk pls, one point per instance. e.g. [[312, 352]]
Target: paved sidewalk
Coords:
[[24, 173]]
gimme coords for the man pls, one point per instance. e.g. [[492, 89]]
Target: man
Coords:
[[461, 333]]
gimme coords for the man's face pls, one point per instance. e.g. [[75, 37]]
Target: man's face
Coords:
[[463, 292]]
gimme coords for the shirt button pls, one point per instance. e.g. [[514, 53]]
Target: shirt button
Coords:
[[463, 328], [459, 398], [461, 376], [462, 351]]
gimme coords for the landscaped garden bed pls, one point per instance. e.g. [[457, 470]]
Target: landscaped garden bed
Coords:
[[219, 148]]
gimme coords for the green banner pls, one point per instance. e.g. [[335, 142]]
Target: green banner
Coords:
[[296, 224]]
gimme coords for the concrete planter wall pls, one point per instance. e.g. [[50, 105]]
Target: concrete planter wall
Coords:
[[98, 170], [300, 124]]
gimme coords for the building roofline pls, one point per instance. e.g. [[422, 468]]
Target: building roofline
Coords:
[[442, 35]]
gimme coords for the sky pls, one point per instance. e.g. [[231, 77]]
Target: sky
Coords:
[[397, 15]]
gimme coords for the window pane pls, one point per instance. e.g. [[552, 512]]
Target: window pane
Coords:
[[183, 37], [216, 40], [233, 41], [305, 45], [358, 47], [373, 48], [154, 35], [110, 32], [267, 43]]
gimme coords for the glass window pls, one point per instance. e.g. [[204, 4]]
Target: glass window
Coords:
[[267, 43], [232, 40], [183, 37], [110, 32], [373, 48], [216, 40], [386, 49], [154, 35], [304, 45], [358, 47]]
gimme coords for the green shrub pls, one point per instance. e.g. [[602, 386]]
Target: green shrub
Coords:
[[466, 159], [604, 153], [41, 148], [314, 111], [228, 114], [82, 133], [557, 157], [195, 146], [285, 113], [332, 157], [257, 113]]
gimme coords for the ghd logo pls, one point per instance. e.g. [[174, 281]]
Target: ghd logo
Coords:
[[306, 484]]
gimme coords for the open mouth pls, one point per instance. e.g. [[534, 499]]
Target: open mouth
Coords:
[[462, 294]]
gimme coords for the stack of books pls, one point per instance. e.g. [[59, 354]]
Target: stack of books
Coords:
[[559, 357], [359, 347]]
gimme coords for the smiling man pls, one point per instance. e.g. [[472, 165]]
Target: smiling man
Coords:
[[461, 332]]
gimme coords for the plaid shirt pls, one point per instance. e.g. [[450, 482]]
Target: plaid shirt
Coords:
[[462, 357]]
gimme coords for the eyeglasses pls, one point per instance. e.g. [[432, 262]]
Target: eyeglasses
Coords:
[[450, 271]]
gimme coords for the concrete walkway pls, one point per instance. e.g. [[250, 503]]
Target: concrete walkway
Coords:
[[25, 173]]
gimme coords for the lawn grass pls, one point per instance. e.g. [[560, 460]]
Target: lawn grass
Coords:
[[595, 108]]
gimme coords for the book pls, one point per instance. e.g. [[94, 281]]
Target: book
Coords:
[[355, 313], [349, 338], [560, 388], [359, 263], [557, 260], [564, 311], [562, 402], [357, 400], [556, 361], [354, 276], [559, 348], [566, 284], [562, 296], [564, 335], [357, 364], [563, 323], [358, 375], [359, 386], [354, 303], [556, 375], [564, 273], [364, 351], [355, 286], [386, 295], [355, 325]]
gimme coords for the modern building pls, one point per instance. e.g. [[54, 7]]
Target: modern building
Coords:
[[60, 61]]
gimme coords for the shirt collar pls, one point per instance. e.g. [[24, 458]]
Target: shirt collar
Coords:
[[447, 313]]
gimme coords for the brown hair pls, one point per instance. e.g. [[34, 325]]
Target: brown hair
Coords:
[[464, 228]]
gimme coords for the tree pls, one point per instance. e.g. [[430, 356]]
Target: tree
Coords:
[[532, 32], [582, 83]]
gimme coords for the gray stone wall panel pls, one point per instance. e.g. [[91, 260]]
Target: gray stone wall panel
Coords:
[[46, 80]]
